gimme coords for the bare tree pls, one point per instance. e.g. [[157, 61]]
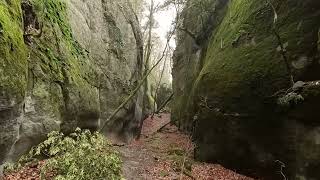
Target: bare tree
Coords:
[[159, 82], [132, 18], [133, 23], [149, 100]]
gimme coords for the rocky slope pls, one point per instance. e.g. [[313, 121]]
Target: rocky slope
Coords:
[[64, 64], [233, 90]]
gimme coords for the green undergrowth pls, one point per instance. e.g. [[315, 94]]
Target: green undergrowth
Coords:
[[290, 99], [81, 155]]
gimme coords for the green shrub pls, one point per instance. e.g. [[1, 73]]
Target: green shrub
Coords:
[[80, 156], [9, 167], [290, 99]]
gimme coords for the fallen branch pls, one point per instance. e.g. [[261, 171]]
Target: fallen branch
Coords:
[[204, 104], [185, 156], [140, 83], [158, 86], [160, 129], [164, 104], [118, 145], [282, 166], [182, 166]]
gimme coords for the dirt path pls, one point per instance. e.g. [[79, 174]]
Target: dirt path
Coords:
[[163, 154]]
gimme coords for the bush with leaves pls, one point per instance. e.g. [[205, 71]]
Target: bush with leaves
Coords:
[[80, 156], [290, 99]]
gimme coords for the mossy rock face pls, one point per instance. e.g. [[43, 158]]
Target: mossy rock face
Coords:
[[64, 64], [226, 104], [13, 52], [58, 58], [13, 71], [60, 90]]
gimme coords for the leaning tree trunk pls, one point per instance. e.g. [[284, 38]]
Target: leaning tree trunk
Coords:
[[148, 99]]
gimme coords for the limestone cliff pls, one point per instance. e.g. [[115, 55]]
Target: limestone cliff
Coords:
[[230, 79], [64, 64]]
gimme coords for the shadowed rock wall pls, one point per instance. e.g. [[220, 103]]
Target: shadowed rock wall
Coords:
[[230, 84]]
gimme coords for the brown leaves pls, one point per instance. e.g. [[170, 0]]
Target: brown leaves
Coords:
[[161, 155], [171, 154], [215, 172], [29, 172]]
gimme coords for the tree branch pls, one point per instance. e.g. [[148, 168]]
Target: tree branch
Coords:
[[140, 83], [164, 104]]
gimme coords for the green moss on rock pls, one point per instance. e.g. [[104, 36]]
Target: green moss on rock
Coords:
[[65, 62], [13, 53], [227, 103]]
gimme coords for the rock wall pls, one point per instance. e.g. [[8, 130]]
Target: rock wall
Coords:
[[13, 71], [64, 64], [230, 81]]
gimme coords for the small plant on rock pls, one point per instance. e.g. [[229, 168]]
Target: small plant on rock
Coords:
[[290, 99]]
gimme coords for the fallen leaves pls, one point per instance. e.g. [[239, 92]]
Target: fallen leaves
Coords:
[[29, 172], [215, 172], [161, 154]]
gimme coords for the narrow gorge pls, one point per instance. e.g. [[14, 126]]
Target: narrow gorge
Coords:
[[240, 78]]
